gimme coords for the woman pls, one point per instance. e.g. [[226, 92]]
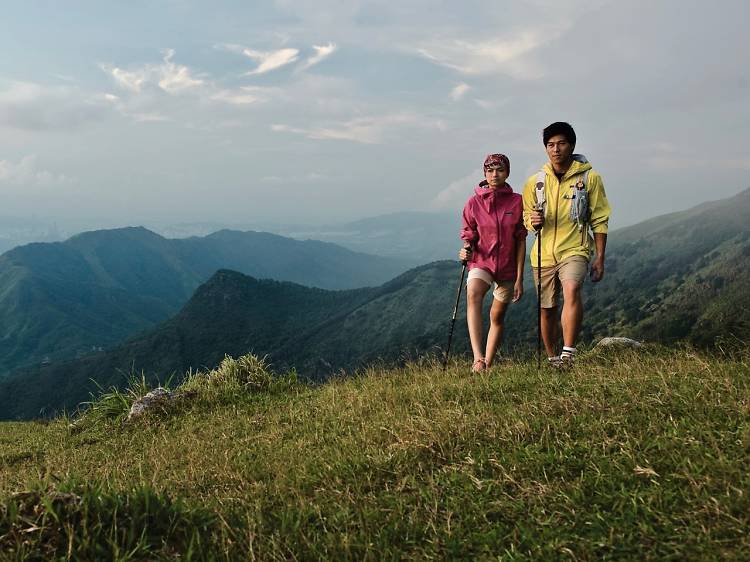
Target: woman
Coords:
[[495, 248]]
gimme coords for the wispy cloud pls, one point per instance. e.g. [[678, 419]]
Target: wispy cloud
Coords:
[[132, 81], [168, 76], [39, 107], [491, 105], [497, 55], [309, 177], [366, 130], [271, 60], [321, 52], [176, 77], [459, 91], [26, 172], [455, 194], [244, 95], [132, 110]]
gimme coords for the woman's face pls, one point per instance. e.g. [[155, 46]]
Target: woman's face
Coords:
[[496, 176]]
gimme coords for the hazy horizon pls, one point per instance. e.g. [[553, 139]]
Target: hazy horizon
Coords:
[[316, 113], [46, 229]]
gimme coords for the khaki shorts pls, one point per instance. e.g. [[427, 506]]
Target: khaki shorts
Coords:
[[504, 290], [572, 269]]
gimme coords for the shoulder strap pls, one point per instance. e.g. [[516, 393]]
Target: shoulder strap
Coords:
[[579, 206], [541, 198]]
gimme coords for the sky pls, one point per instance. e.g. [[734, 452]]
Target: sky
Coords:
[[333, 110]]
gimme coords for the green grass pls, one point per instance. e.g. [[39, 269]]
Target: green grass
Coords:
[[627, 457]]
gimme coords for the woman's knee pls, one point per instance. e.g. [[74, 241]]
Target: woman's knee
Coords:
[[475, 292], [497, 313]]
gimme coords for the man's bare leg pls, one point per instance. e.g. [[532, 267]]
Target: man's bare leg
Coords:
[[549, 330], [572, 312]]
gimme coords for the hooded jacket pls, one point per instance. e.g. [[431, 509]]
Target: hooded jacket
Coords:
[[492, 223], [561, 238]]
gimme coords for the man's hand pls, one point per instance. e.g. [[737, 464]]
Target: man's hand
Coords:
[[465, 253], [518, 290], [537, 219], [597, 270]]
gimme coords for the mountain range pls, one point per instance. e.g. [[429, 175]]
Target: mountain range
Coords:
[[419, 237], [97, 288], [679, 277], [315, 331]]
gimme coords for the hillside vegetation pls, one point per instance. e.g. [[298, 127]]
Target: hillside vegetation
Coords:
[[98, 288], [316, 332], [680, 277], [626, 457]]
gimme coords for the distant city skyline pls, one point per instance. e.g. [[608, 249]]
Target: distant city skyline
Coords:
[[321, 112]]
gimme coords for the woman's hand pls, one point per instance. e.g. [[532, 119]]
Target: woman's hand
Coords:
[[465, 253], [518, 290]]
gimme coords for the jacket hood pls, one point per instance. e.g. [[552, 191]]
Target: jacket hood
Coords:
[[483, 190], [580, 164]]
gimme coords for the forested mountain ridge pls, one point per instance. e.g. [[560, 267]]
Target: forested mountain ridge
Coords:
[[97, 288], [684, 279], [315, 331]]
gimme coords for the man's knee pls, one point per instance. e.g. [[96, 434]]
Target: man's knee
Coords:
[[571, 292], [549, 313]]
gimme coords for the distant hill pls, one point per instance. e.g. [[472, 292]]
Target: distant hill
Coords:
[[315, 331], [97, 288], [682, 276], [678, 277], [420, 237]]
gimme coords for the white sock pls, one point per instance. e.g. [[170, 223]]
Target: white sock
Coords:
[[568, 352]]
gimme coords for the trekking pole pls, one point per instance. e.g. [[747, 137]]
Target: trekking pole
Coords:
[[453, 319], [539, 299], [541, 199]]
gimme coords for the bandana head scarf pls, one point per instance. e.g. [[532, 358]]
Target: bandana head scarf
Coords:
[[497, 160]]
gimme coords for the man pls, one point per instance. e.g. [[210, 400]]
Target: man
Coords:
[[565, 201]]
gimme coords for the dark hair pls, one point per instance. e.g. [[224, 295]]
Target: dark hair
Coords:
[[559, 128]]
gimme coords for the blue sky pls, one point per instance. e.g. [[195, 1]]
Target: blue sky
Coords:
[[334, 110]]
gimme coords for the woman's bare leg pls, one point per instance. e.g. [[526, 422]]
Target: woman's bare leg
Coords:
[[475, 291], [495, 335]]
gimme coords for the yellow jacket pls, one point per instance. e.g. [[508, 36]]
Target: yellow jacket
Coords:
[[561, 238]]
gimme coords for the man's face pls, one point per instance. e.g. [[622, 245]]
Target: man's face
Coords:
[[496, 175], [559, 150]]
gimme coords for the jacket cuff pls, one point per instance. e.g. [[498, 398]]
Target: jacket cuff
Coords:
[[600, 229]]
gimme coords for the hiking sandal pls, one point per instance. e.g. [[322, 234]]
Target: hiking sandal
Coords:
[[479, 366]]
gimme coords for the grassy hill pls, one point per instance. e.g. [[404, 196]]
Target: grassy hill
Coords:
[[97, 288], [627, 457]]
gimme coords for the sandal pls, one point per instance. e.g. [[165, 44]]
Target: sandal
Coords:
[[478, 366]]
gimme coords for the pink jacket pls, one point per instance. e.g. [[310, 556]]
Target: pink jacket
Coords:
[[492, 223]]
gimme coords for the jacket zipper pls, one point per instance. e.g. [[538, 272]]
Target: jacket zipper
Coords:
[[557, 209], [497, 250]]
